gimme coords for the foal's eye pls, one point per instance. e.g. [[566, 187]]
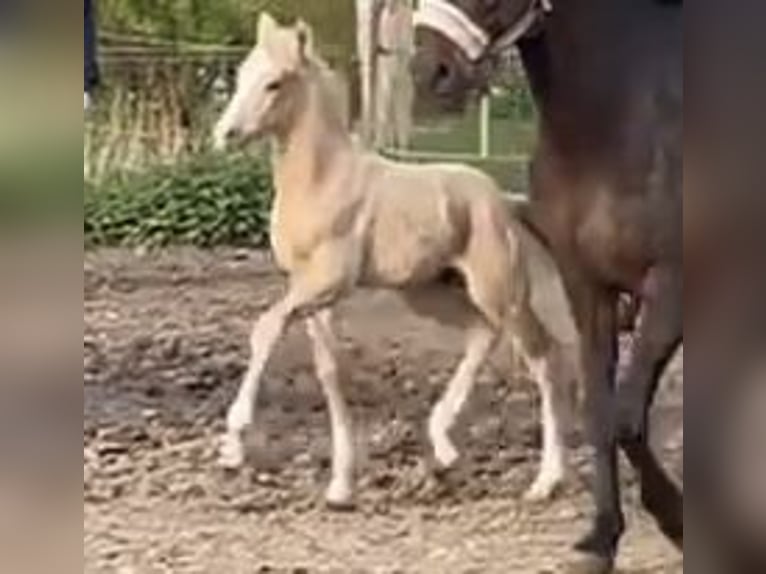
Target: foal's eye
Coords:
[[273, 86]]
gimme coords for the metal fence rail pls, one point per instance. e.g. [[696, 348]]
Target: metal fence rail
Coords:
[[160, 100]]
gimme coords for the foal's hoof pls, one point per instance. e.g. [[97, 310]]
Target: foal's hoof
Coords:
[[445, 455], [540, 491], [231, 454], [590, 564], [339, 498]]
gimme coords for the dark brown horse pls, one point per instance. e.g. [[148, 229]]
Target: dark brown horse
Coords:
[[606, 194]]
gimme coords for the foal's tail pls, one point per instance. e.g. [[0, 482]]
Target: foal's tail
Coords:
[[546, 294], [547, 297], [545, 302]]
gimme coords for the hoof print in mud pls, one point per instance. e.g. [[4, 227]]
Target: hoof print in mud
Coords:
[[448, 476], [340, 506], [443, 482]]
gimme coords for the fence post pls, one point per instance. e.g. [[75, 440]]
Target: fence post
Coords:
[[368, 15], [484, 126]]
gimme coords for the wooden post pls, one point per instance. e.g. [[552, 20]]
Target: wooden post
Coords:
[[368, 14], [485, 108], [393, 81]]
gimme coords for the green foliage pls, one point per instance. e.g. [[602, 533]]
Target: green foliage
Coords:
[[211, 200], [225, 21], [514, 103]]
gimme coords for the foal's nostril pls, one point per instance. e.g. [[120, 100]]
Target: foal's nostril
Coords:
[[223, 137]]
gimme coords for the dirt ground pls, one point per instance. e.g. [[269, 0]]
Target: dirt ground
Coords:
[[165, 346]]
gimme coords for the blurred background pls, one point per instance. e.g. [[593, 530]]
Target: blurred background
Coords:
[[167, 68]]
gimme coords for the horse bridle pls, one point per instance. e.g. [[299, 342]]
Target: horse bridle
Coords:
[[449, 20]]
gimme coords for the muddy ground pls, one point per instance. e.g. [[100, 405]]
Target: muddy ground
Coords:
[[165, 346]]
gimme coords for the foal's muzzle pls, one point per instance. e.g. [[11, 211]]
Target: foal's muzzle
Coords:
[[225, 136]]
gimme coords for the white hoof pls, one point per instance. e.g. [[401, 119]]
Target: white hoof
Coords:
[[240, 416], [339, 496], [231, 454], [445, 452], [542, 489]]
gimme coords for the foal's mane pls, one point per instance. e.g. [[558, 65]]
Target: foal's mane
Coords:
[[326, 104], [328, 91]]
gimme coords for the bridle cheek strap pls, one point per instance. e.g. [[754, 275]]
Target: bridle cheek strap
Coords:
[[449, 20], [452, 22]]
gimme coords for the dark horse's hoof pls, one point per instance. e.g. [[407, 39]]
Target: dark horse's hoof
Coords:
[[590, 564]]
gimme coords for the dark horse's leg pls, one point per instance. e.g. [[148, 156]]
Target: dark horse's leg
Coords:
[[657, 339], [596, 313]]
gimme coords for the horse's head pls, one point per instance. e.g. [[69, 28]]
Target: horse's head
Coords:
[[457, 39], [269, 83]]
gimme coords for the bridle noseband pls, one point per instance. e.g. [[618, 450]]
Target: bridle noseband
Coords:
[[472, 39]]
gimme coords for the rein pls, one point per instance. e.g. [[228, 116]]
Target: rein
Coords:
[[472, 39]]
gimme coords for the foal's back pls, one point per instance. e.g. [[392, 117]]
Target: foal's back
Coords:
[[426, 218]]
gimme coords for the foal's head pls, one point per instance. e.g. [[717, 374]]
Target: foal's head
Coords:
[[271, 83], [457, 39]]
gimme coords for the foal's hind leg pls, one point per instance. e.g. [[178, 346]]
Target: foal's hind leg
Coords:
[[480, 341], [550, 374], [657, 340], [341, 489], [486, 268]]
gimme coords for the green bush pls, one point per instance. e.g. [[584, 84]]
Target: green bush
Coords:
[[208, 201], [514, 103]]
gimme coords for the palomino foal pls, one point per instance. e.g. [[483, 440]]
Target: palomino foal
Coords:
[[344, 218]]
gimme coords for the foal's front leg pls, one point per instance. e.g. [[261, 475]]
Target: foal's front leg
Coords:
[[340, 492], [266, 332], [263, 337], [318, 283]]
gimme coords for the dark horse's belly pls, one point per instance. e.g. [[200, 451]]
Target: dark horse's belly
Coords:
[[607, 178], [613, 235]]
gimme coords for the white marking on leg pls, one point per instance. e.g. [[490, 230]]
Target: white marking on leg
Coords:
[[264, 336], [480, 342], [340, 492], [548, 375]]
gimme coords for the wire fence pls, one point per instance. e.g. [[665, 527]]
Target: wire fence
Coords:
[[156, 106], [160, 100]]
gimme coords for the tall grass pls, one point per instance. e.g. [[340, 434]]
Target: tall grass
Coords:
[[227, 22], [159, 102], [153, 111]]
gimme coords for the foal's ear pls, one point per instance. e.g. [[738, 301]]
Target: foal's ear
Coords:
[[305, 36], [267, 25]]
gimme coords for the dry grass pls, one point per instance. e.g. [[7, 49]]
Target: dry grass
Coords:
[[153, 111]]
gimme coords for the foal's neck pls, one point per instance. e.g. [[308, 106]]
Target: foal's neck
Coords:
[[317, 135]]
